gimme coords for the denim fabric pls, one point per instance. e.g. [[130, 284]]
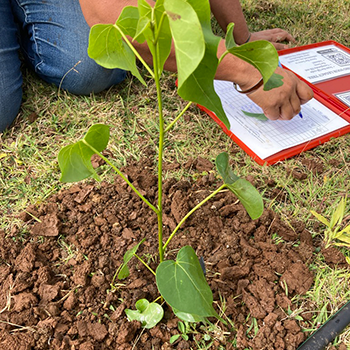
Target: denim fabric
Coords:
[[10, 74], [53, 36]]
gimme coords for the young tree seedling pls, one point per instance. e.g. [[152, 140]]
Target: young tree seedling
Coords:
[[186, 25]]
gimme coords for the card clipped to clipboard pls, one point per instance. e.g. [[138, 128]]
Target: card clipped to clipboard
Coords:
[[325, 67]]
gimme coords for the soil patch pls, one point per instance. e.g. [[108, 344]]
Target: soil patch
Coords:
[[55, 282]]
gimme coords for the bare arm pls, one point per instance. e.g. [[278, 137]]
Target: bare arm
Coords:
[[227, 11], [281, 103], [104, 11]]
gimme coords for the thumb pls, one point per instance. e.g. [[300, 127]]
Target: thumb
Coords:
[[304, 92]]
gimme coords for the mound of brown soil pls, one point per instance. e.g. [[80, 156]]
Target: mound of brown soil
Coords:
[[56, 281]]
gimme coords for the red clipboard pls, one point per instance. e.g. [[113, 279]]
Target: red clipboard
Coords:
[[324, 92]]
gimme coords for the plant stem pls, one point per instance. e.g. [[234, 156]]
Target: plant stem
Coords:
[[160, 155], [160, 297], [159, 27], [191, 212], [178, 117], [135, 52], [155, 41], [145, 264], [122, 176]]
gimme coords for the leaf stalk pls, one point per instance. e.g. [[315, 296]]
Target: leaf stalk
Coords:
[[121, 175], [191, 212]]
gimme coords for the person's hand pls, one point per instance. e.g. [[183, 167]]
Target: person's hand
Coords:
[[275, 36], [285, 101]]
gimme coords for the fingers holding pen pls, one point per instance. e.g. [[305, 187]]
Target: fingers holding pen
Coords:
[[285, 101], [291, 108]]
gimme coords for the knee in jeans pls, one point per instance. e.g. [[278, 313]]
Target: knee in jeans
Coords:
[[9, 108], [86, 78]]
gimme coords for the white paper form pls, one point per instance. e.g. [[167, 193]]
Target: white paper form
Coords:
[[266, 138], [319, 63]]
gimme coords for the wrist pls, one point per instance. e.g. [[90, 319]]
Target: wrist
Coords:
[[234, 69], [243, 39], [251, 89], [248, 39]]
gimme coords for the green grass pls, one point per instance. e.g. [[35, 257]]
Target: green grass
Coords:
[[308, 21], [330, 290], [29, 171]]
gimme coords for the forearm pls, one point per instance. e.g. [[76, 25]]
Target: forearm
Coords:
[[231, 68], [103, 11], [227, 11]]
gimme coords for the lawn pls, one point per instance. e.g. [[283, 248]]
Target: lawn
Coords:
[[315, 180]]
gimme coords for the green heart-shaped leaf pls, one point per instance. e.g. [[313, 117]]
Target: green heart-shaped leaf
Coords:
[[183, 286], [124, 270], [196, 84], [187, 36], [75, 160], [243, 189], [108, 49], [249, 196], [261, 54], [149, 314]]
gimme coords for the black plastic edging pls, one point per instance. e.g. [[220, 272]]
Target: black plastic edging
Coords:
[[327, 333]]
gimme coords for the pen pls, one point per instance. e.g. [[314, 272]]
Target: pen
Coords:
[[279, 65]]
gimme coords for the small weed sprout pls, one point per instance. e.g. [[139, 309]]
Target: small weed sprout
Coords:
[[187, 25], [333, 235], [185, 329]]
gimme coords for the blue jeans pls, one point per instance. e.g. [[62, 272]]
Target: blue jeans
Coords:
[[53, 38]]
